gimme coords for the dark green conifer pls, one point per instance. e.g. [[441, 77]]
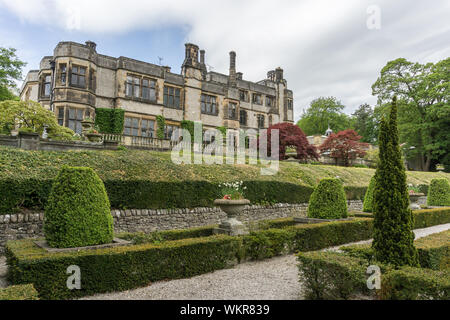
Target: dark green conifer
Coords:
[[393, 237]]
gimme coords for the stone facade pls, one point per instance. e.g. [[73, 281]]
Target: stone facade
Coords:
[[29, 225], [76, 80]]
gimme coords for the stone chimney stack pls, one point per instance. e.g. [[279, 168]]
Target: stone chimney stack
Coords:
[[232, 79], [191, 58], [279, 74], [92, 45], [202, 56]]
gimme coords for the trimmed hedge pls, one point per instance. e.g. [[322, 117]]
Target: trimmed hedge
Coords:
[[431, 217], [439, 193], [328, 201], [434, 251], [332, 275], [415, 284], [123, 268], [368, 198], [78, 212], [145, 194], [119, 268], [20, 292]]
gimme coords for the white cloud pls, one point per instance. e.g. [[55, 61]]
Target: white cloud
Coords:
[[324, 47]]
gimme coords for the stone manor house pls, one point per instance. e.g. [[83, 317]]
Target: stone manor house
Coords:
[[76, 80]]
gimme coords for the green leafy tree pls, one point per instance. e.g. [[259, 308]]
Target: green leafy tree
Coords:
[[323, 112], [393, 220], [10, 70], [32, 117], [364, 123], [424, 110]]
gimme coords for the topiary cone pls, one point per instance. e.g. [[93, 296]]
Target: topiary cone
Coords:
[[78, 210]]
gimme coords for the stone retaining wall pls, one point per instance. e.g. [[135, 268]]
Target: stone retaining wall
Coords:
[[29, 225]]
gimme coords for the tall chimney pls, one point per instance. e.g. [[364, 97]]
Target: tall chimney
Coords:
[[202, 56], [232, 80]]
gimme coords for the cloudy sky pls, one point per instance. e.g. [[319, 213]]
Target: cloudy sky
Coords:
[[327, 48]]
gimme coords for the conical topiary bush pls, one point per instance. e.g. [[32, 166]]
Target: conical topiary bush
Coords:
[[78, 210], [393, 239], [368, 198], [328, 201], [439, 193]]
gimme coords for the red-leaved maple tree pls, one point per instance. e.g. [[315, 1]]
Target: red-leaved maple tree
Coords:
[[292, 136], [344, 145]]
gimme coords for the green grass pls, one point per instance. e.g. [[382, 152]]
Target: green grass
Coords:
[[157, 166]]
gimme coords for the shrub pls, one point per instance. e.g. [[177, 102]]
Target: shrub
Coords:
[[78, 211], [328, 201], [439, 193], [393, 220], [20, 292], [434, 251], [332, 276], [367, 205], [119, 268], [416, 284]]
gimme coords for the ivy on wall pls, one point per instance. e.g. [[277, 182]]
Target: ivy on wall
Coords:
[[110, 120], [161, 124]]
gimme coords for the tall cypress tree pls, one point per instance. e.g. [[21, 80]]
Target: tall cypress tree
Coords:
[[393, 237]]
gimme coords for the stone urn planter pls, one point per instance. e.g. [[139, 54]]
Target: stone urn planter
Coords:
[[231, 226], [413, 198], [94, 137], [87, 125]]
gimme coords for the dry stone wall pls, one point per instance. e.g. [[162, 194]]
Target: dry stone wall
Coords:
[[30, 224]]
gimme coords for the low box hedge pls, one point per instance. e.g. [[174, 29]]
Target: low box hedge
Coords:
[[434, 251], [20, 292], [335, 276], [329, 275], [119, 268], [415, 284]]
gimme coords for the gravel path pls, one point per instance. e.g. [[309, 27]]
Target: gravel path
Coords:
[[274, 279]]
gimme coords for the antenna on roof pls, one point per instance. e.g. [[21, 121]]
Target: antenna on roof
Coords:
[[160, 60]]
